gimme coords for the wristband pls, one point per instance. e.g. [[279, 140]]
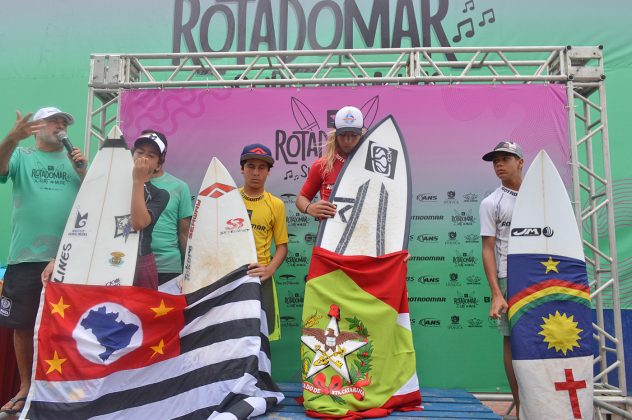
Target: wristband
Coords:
[[306, 207]]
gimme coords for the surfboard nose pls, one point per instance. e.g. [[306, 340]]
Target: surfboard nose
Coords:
[[115, 133]]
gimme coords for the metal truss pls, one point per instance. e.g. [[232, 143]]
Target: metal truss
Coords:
[[579, 68]]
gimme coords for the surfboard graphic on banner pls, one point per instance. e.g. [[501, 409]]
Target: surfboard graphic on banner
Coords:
[[99, 245], [220, 236], [357, 350], [549, 300]]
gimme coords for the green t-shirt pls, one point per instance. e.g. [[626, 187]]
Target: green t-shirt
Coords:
[[164, 242], [44, 189]]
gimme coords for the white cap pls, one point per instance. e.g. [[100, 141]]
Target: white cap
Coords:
[[349, 119], [51, 111], [159, 140]]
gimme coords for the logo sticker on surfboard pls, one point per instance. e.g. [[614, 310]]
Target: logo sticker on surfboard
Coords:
[[81, 220], [344, 207], [236, 223], [123, 226], [117, 258], [381, 160], [216, 190], [80, 225], [532, 231]]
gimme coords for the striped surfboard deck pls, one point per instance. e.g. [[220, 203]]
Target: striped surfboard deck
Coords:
[[372, 195]]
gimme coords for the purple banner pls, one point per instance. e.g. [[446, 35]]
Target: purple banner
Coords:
[[446, 129]]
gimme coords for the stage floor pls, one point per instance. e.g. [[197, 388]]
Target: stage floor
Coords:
[[438, 404]]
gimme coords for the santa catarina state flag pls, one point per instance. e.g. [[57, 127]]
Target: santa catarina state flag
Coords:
[[551, 335], [130, 353], [357, 350]]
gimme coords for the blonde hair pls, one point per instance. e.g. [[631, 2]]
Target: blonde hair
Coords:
[[329, 156]]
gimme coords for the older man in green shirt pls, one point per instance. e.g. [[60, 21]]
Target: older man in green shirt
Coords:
[[45, 182]]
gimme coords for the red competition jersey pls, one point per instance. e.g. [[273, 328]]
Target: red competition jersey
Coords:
[[316, 182]]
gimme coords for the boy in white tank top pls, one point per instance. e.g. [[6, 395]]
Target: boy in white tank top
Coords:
[[495, 216]]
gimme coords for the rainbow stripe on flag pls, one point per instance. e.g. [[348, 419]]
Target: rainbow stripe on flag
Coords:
[[549, 307], [551, 335], [544, 292]]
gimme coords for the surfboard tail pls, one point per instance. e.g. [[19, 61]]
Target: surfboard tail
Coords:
[[555, 388]]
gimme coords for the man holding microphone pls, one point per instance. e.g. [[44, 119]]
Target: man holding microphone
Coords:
[[45, 182]]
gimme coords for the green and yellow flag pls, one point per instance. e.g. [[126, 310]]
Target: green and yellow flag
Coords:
[[357, 350]]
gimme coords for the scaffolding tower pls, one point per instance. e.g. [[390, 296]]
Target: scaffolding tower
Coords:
[[579, 68]]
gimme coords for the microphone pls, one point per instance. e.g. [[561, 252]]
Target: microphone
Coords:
[[63, 138]]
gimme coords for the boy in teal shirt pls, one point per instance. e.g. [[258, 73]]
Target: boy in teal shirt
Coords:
[[172, 228]]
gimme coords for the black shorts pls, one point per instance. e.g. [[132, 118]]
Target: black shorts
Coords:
[[21, 295]]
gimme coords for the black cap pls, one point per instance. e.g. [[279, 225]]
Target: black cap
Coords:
[[504, 146]]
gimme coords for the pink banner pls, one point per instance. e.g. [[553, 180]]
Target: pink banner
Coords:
[[447, 129]]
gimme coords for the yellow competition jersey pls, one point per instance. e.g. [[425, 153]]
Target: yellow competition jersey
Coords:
[[267, 216]]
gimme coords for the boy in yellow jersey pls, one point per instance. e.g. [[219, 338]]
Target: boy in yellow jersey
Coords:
[[267, 216]]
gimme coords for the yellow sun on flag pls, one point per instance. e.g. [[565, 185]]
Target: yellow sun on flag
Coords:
[[560, 332]]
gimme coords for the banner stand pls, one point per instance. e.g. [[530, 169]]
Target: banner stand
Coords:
[[579, 69]]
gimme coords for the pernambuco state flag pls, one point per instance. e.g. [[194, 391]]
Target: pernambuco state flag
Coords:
[[551, 335]]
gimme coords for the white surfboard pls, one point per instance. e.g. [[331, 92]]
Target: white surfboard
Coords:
[[549, 300], [220, 237], [99, 246], [543, 203], [372, 195]]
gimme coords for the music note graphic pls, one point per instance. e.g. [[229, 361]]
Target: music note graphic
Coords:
[[289, 174], [469, 33], [492, 19], [470, 3]]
